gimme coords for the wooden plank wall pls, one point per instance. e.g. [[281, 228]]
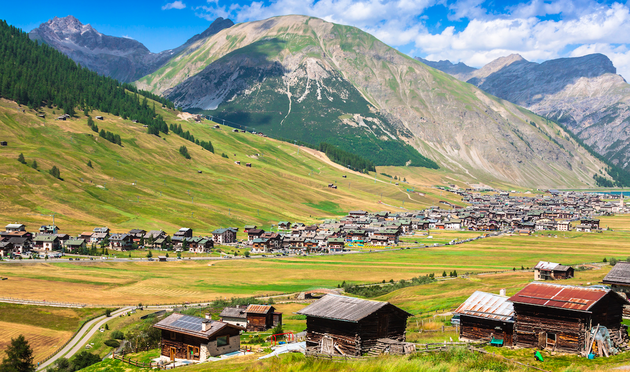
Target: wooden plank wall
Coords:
[[474, 328]]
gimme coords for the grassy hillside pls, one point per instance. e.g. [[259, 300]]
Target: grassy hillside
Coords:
[[146, 183]]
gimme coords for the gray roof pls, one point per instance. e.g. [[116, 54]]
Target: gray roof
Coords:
[[233, 312], [488, 305], [347, 309], [191, 325], [619, 274]]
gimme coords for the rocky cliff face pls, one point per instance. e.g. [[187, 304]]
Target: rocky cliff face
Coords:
[[584, 93], [120, 58], [299, 76]]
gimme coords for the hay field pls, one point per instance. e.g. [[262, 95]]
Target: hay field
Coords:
[[44, 341], [111, 283]]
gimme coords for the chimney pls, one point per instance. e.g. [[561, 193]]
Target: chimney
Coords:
[[208, 316], [502, 292], [205, 325]]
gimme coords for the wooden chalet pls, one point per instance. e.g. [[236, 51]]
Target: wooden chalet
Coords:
[[487, 317], [254, 234], [6, 248], [15, 227], [259, 317], [192, 338], [552, 271], [336, 244], [351, 326], [619, 280], [200, 244], [261, 245], [559, 317], [46, 243], [121, 242], [73, 245]]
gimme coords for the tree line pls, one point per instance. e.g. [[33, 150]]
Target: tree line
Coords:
[[177, 129], [40, 76]]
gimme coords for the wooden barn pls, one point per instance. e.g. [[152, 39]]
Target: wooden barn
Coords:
[[259, 317], [552, 271], [558, 317], [193, 338], [619, 280], [351, 326], [487, 317]]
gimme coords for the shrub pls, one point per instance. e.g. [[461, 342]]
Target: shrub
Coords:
[[112, 343], [118, 335]]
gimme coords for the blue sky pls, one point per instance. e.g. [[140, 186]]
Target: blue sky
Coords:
[[471, 31]]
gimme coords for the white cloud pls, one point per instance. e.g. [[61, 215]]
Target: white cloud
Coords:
[[485, 40], [128, 37], [174, 5]]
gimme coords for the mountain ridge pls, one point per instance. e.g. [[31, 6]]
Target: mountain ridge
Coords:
[[583, 93], [121, 58], [443, 119]]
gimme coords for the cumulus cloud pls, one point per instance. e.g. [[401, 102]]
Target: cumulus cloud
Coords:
[[174, 5], [484, 40]]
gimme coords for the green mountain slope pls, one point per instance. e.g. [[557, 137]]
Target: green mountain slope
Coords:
[[304, 78]]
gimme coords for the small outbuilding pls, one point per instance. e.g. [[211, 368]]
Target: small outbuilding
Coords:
[[487, 317], [234, 315], [619, 280], [259, 317], [340, 325], [552, 271], [187, 337]]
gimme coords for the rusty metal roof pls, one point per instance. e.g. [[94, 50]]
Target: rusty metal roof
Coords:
[[559, 296], [347, 309], [258, 309], [488, 305]]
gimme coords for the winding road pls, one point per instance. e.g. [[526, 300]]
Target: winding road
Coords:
[[82, 337]]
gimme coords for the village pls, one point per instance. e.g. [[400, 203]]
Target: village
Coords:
[[493, 212], [578, 320]]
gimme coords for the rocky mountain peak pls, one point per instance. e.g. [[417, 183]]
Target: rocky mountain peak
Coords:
[[67, 25], [216, 26]]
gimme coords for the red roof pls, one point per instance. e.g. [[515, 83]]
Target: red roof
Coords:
[[559, 296]]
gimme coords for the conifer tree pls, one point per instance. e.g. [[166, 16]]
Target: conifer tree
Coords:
[[19, 356], [89, 164], [21, 158], [34, 165]]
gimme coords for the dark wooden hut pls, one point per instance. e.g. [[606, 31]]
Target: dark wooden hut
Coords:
[[352, 326], [619, 280], [259, 317], [487, 317], [194, 338], [552, 271], [559, 317]]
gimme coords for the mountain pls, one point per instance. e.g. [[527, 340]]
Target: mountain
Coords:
[[122, 58], [583, 93], [458, 70], [306, 79]]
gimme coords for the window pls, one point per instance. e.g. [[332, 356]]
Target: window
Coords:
[[223, 341], [551, 339]]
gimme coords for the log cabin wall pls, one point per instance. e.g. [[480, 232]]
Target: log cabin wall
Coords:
[[356, 338], [259, 322], [473, 328], [535, 326], [344, 334], [608, 312], [180, 342]]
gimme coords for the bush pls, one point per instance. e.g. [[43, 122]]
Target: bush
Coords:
[[184, 151], [84, 359], [112, 343], [118, 335]]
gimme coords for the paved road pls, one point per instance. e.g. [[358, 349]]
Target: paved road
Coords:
[[83, 336]]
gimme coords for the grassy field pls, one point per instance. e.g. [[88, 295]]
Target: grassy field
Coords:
[[183, 280], [146, 183], [45, 328]]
